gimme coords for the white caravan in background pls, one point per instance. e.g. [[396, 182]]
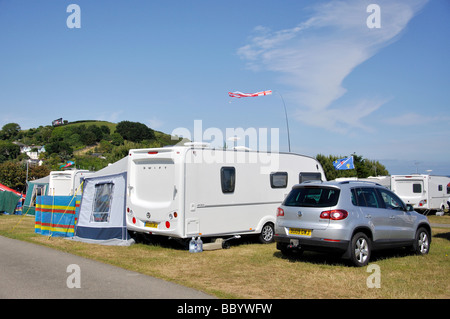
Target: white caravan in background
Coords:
[[186, 191], [424, 192], [66, 183], [381, 180]]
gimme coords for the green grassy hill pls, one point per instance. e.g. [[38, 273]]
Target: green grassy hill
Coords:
[[91, 144]]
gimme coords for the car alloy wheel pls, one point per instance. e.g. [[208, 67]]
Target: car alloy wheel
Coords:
[[422, 242], [361, 248]]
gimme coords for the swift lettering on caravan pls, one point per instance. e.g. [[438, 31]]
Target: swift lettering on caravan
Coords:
[[191, 190]]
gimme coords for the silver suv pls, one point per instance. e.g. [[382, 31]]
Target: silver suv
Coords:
[[352, 218]]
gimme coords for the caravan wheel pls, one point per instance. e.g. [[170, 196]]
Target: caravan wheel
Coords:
[[266, 236]]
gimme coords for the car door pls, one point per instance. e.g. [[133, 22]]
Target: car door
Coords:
[[401, 220], [372, 209]]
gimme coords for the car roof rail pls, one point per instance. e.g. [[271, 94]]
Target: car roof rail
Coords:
[[312, 181], [357, 181]]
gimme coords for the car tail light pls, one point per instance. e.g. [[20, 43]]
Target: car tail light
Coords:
[[152, 153], [335, 214], [280, 212]]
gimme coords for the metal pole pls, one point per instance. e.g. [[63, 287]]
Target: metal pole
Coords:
[[287, 122]]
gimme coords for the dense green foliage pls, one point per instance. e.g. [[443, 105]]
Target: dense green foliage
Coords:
[[134, 132], [363, 167], [90, 144]]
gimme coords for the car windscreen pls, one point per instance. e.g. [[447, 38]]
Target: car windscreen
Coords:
[[312, 197]]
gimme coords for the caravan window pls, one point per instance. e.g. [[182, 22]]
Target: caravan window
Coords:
[[102, 202], [303, 177], [417, 188], [228, 179], [279, 180]]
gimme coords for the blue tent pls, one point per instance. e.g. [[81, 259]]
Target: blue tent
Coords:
[[101, 218]]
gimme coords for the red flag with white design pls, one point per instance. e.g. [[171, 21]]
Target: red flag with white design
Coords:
[[240, 94]]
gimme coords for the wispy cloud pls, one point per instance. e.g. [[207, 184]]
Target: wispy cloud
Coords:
[[411, 118], [315, 56]]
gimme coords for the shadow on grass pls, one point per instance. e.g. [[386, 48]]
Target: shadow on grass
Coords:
[[443, 235], [183, 244], [322, 258]]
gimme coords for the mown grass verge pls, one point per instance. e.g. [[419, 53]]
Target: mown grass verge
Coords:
[[251, 270]]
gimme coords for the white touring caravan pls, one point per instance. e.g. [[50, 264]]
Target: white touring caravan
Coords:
[[424, 192], [187, 191], [66, 183]]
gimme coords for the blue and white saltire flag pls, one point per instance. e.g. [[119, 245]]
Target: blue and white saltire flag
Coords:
[[344, 163]]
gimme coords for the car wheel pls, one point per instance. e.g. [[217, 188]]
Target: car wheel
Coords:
[[422, 242], [267, 232], [360, 249]]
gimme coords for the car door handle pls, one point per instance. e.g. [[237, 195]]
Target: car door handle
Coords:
[[392, 217], [368, 216]]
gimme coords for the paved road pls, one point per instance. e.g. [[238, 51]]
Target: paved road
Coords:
[[32, 271]]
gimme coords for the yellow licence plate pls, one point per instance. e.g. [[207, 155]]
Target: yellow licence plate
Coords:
[[300, 231], [151, 224]]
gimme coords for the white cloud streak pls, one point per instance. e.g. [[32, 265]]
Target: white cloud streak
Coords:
[[315, 57]]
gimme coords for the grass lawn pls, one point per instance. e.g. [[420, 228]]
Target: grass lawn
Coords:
[[252, 270]]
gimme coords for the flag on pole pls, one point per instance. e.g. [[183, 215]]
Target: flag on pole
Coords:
[[344, 163], [69, 163], [240, 94]]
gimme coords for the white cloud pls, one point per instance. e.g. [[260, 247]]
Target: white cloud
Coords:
[[315, 56]]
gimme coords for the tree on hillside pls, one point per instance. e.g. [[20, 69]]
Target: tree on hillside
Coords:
[[63, 149], [8, 151], [363, 167], [36, 172], [13, 175], [10, 131], [134, 131]]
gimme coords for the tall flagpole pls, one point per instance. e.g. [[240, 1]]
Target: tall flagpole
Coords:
[[287, 122], [240, 95]]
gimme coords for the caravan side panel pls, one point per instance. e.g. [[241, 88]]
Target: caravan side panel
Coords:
[[183, 192], [259, 183]]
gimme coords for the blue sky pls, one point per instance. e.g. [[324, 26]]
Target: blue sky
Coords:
[[382, 93]]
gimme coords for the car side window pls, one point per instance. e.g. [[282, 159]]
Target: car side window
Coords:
[[391, 201], [366, 197]]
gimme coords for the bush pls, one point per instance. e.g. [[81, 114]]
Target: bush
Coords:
[[134, 131]]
